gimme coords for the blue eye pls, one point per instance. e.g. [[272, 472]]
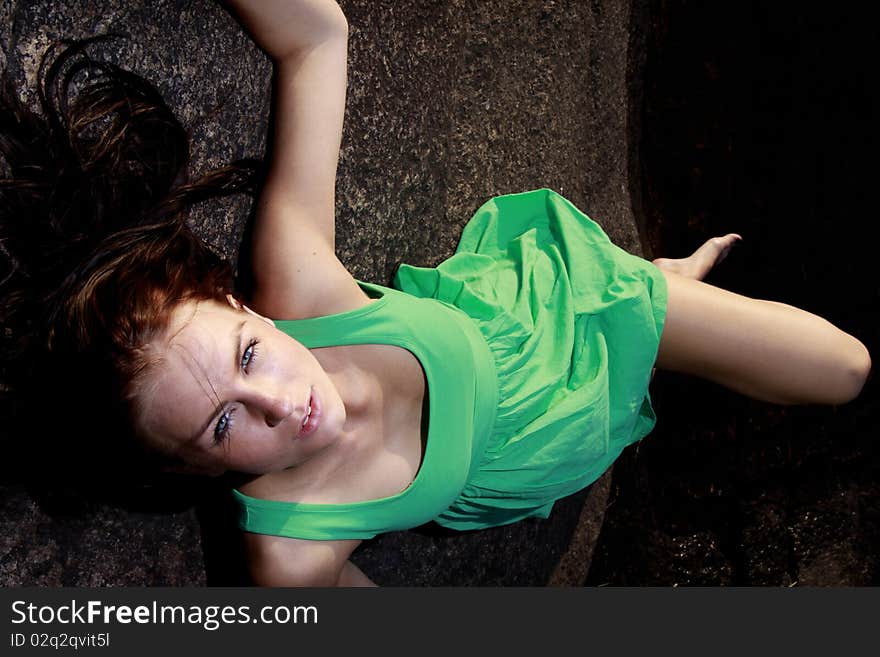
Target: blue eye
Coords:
[[250, 353], [223, 426]]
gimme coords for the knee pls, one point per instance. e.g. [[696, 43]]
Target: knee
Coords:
[[843, 370], [856, 367]]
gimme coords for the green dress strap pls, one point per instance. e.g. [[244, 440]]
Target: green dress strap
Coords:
[[462, 401]]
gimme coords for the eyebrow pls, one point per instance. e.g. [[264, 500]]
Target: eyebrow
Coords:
[[237, 336]]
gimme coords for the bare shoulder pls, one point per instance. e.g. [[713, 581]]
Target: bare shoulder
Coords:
[[282, 561], [303, 278]]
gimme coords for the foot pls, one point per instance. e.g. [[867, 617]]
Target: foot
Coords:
[[701, 261]]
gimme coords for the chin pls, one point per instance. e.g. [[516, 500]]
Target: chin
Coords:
[[332, 427], [333, 413]]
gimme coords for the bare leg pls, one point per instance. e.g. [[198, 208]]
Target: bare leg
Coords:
[[763, 349], [700, 262]]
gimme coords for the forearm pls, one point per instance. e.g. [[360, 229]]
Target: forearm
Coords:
[[284, 28], [308, 42]]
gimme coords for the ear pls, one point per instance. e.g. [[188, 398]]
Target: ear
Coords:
[[238, 305]]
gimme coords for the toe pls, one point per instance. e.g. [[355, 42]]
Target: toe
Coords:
[[725, 241], [724, 244]]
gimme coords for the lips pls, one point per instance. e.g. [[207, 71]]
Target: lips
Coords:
[[312, 416]]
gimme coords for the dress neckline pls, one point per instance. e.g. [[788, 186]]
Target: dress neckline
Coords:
[[397, 341]]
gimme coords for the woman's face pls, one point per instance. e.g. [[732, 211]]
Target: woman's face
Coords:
[[232, 392]]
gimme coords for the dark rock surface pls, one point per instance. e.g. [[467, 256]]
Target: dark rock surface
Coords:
[[449, 103], [760, 118]]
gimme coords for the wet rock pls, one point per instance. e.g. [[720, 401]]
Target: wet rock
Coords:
[[698, 559], [766, 547], [828, 542], [748, 127]]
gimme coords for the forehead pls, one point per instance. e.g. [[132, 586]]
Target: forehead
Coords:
[[200, 340], [201, 324], [193, 357]]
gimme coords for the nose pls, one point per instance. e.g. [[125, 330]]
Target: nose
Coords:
[[273, 404], [278, 409]]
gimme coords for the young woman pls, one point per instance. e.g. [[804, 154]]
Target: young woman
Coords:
[[485, 389]]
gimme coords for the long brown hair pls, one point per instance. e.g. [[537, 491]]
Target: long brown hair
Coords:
[[95, 250]]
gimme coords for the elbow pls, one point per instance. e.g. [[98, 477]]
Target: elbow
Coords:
[[337, 22], [329, 26], [333, 28]]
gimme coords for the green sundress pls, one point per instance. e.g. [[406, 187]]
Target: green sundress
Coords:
[[537, 359]]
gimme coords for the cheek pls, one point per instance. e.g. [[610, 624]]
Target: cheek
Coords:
[[259, 446], [296, 355]]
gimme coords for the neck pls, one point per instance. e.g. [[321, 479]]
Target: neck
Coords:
[[357, 384], [382, 386]]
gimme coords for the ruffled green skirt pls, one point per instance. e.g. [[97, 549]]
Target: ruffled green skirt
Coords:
[[573, 323]]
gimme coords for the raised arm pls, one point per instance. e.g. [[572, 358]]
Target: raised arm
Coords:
[[296, 269]]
